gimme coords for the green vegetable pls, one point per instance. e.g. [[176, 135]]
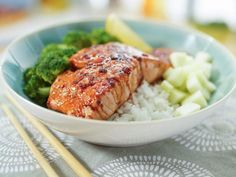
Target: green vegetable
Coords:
[[100, 36], [35, 87], [203, 57], [166, 86], [196, 98], [44, 91], [53, 61], [205, 82], [176, 96], [187, 109], [176, 76], [188, 80], [78, 39], [193, 85], [179, 59]]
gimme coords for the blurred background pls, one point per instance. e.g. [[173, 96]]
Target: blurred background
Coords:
[[217, 18]]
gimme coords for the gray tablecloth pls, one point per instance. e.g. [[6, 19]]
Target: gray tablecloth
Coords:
[[206, 150]]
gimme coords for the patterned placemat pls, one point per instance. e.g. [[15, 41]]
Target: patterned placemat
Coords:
[[209, 149]]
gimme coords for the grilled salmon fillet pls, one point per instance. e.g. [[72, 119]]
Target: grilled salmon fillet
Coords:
[[104, 78], [152, 67]]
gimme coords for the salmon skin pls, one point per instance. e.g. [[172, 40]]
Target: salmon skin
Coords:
[[105, 76]]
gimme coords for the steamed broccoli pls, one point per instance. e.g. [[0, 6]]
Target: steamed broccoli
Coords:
[[53, 61], [78, 39], [100, 36], [35, 88], [81, 39], [68, 50]]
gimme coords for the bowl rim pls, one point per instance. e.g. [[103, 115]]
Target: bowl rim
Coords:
[[102, 19]]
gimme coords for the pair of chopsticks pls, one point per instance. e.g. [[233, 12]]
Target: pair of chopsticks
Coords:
[[75, 165]]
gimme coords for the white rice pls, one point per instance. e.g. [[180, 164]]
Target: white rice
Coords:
[[149, 102]]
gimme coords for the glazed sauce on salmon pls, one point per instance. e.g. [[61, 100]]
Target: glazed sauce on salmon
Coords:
[[102, 79]]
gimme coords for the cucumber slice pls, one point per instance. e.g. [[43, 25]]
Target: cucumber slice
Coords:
[[205, 82], [125, 34], [203, 57], [194, 85], [177, 77], [206, 93], [187, 109], [204, 67], [189, 76], [197, 98], [176, 96], [168, 73], [179, 59], [166, 86]]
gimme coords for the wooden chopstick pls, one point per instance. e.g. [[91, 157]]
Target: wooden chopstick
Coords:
[[75, 165], [37, 154]]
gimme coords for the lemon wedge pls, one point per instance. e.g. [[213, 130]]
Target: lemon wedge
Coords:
[[116, 27]]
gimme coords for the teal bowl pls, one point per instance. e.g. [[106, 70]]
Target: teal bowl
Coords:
[[24, 52]]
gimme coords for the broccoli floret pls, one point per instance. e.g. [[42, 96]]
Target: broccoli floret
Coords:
[[78, 39], [67, 50], [53, 61], [44, 91], [100, 36], [47, 49], [35, 87]]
